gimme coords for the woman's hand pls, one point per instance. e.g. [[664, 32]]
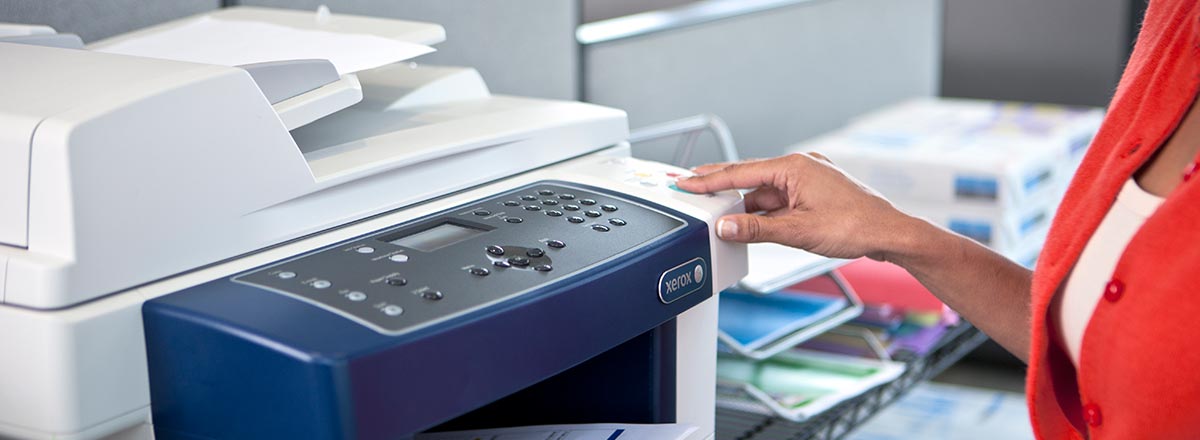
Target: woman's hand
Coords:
[[805, 202], [811, 204]]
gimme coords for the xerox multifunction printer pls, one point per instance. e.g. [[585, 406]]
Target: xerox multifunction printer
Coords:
[[198, 251]]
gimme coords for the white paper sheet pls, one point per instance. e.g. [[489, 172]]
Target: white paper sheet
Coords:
[[235, 42], [597, 431], [774, 266]]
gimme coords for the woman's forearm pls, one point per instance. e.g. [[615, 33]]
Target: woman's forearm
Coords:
[[986, 288], [804, 201]]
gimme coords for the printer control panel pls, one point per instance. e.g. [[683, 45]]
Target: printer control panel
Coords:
[[469, 257]]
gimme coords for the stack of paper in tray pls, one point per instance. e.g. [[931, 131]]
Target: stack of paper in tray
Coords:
[[992, 171], [898, 309]]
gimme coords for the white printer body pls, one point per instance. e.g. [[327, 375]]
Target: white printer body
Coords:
[[126, 179]]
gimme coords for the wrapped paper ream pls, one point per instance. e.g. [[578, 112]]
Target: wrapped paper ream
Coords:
[[237, 42]]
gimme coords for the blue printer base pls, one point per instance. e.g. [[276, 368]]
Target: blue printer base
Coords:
[[229, 360]]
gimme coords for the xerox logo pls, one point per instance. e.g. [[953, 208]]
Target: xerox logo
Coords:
[[681, 280]]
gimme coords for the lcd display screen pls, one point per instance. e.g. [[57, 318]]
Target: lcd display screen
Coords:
[[437, 237]]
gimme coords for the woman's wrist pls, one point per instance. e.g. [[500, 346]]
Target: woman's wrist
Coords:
[[908, 239]]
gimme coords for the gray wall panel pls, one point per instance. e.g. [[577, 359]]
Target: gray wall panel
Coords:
[[776, 77], [1062, 51], [94, 20], [594, 10], [521, 47]]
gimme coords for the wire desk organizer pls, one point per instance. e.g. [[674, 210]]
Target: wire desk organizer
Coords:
[[753, 421]]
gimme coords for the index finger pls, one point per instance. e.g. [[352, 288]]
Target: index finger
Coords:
[[740, 175], [708, 168]]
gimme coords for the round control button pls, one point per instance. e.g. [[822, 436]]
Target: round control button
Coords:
[[396, 281], [495, 250], [557, 244], [365, 250], [550, 202], [393, 310], [482, 212], [535, 253], [479, 271], [502, 263], [554, 213], [575, 219], [356, 296], [528, 198], [432, 295], [519, 261], [321, 284], [567, 196], [600, 228], [588, 202], [617, 222], [512, 203], [286, 275], [591, 213], [546, 192], [543, 268], [609, 208], [514, 220], [399, 258], [571, 207], [533, 208]]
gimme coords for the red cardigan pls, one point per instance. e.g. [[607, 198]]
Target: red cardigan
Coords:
[[1139, 374]]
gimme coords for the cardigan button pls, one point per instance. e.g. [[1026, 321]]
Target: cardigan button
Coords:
[[1091, 414], [1114, 290], [1189, 171]]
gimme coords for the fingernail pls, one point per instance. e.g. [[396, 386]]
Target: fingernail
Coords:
[[726, 229]]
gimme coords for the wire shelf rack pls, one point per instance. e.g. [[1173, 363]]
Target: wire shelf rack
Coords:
[[753, 421]]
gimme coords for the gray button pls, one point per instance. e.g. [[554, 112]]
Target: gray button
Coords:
[[365, 250], [286, 275], [321, 284], [393, 310], [399, 258], [356, 296]]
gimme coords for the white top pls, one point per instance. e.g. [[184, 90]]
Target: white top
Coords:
[[1072, 309]]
